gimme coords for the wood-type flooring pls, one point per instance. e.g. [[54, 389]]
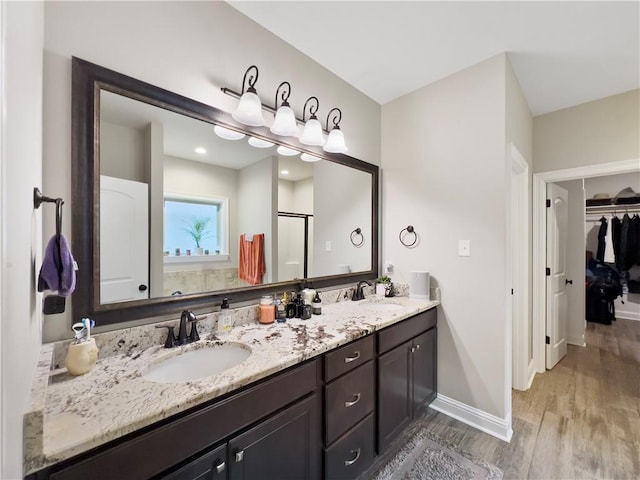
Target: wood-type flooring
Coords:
[[580, 420]]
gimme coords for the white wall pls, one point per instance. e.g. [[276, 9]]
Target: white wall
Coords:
[[612, 184], [258, 208], [122, 152], [519, 132], [21, 162], [602, 131], [192, 48], [342, 203], [575, 262], [443, 159]]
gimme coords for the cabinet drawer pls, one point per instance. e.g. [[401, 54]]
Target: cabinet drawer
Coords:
[[347, 358], [353, 453], [405, 330], [212, 465], [348, 399], [171, 443]]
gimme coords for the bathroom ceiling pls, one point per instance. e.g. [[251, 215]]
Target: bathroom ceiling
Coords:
[[563, 53]]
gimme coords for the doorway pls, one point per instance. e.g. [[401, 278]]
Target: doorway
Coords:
[[540, 183]]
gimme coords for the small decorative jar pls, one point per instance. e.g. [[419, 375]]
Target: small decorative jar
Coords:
[[267, 311]]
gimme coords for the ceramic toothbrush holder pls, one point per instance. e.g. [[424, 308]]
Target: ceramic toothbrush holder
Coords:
[[81, 357]]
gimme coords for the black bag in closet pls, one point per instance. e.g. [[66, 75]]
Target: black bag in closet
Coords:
[[601, 290]]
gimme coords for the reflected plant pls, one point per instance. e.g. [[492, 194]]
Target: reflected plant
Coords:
[[197, 229]]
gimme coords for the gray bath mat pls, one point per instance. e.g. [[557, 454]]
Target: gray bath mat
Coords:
[[425, 456]]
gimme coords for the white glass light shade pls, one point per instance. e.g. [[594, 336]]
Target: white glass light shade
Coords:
[[285, 123], [305, 157], [335, 142], [312, 134], [227, 134], [287, 152], [249, 110], [258, 143]]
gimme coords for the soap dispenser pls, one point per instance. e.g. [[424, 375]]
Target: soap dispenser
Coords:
[[225, 321]]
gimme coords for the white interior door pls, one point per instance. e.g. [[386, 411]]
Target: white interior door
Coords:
[[557, 228], [124, 240]]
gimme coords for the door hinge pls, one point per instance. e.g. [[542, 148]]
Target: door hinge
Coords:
[[547, 340], [548, 203], [512, 291], [547, 271]]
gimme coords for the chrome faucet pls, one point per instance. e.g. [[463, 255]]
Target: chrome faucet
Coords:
[[358, 294]]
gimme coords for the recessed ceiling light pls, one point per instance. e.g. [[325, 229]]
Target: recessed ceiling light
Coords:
[[201, 150], [284, 172]]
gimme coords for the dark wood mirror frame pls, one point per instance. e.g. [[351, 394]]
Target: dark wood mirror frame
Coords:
[[87, 81]]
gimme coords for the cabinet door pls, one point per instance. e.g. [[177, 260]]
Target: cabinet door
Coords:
[[210, 466], [424, 368], [394, 394], [285, 446]]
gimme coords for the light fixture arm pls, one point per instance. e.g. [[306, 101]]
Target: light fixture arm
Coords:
[[286, 92], [252, 80], [312, 108], [336, 119]]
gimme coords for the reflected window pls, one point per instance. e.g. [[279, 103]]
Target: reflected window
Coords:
[[194, 226]]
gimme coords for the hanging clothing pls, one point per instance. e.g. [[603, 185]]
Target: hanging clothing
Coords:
[[616, 230], [622, 259], [251, 265], [634, 241], [602, 234]]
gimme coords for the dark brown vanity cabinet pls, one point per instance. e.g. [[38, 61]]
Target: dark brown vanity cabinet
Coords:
[[407, 369], [349, 398], [271, 429]]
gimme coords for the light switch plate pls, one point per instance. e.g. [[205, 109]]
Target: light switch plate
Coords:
[[464, 248], [327, 246]]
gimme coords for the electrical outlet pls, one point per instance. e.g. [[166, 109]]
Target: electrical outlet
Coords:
[[327, 246], [388, 267], [464, 248]]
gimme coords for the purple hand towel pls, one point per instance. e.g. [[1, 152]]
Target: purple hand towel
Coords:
[[57, 272]]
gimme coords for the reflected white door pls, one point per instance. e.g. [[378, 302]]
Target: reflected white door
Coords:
[[124, 240], [557, 227]]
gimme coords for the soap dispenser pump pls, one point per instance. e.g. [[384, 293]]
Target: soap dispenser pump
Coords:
[[225, 321]]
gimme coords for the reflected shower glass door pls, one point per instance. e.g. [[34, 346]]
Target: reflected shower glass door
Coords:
[[294, 247]]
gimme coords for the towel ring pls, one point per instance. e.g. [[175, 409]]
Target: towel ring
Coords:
[[355, 233], [408, 229]]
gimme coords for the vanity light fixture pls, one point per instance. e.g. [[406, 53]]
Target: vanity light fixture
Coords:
[[227, 133], [200, 150], [305, 157], [335, 142], [287, 152], [249, 110], [285, 123], [312, 134], [285, 172], [259, 143]]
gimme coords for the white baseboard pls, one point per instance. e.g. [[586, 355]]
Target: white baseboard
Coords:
[[532, 374], [628, 315], [577, 340], [495, 426]]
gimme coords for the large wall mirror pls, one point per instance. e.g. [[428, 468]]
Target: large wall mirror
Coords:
[[169, 215]]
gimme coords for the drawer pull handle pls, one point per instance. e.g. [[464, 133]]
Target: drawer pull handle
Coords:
[[220, 467], [239, 456], [355, 459], [351, 359], [352, 403]]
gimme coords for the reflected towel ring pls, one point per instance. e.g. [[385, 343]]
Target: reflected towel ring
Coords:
[[355, 233], [408, 229]]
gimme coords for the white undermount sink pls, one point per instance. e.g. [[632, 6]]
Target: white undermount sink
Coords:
[[381, 305], [196, 364]]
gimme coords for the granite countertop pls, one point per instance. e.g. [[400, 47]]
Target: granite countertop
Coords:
[[70, 415]]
